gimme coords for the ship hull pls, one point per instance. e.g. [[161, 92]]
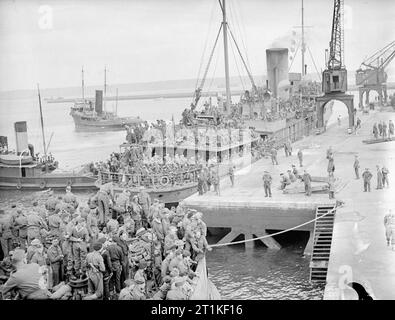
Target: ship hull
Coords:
[[103, 125], [52, 181]]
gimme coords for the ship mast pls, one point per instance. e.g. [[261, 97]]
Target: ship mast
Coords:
[[105, 88], [83, 85], [42, 121], [225, 32], [303, 44]]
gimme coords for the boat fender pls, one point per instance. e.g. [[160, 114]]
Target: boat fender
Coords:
[[42, 184], [164, 181], [19, 185]]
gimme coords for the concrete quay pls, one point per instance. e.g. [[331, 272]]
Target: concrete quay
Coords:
[[359, 252]]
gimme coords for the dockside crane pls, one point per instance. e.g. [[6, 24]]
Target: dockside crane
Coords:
[[334, 77], [372, 76]]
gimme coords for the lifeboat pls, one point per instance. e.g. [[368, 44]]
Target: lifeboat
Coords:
[[15, 160]]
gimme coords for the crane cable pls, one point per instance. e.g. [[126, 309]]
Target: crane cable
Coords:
[[275, 234]]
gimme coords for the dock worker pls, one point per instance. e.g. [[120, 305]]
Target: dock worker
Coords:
[[366, 176], [300, 157], [273, 153], [284, 181], [380, 126], [231, 173], [267, 182], [356, 167], [385, 173], [391, 129], [375, 131], [95, 265], [384, 130], [379, 178], [307, 183]]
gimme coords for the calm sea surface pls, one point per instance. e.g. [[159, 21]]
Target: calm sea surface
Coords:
[[257, 273]]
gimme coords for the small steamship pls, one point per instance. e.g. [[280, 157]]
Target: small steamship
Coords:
[[90, 116], [23, 170]]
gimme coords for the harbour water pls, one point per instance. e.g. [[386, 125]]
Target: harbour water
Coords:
[[238, 274]]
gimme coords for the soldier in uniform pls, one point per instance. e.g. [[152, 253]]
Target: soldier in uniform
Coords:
[[307, 183], [379, 178], [70, 198], [385, 173], [367, 175], [21, 225], [331, 185], [34, 225], [300, 157], [79, 239], [380, 128], [390, 129], [6, 233], [284, 181], [135, 291], [145, 202], [375, 131], [55, 224], [92, 225], [273, 153], [231, 173], [267, 181], [95, 266], [356, 167]]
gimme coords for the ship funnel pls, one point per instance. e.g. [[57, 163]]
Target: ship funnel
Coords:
[[277, 68], [99, 102], [21, 136]]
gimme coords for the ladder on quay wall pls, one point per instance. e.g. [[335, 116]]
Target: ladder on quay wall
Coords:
[[322, 240]]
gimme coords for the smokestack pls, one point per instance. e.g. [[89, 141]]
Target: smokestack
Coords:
[[21, 136], [277, 67], [99, 102]]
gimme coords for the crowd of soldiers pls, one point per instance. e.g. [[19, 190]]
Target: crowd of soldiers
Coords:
[[131, 248], [383, 130]]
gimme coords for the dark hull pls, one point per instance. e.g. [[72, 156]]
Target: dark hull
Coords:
[[117, 124], [58, 181]]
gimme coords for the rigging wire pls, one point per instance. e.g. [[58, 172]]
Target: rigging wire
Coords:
[[214, 70], [237, 66], [312, 59], [294, 57], [205, 45]]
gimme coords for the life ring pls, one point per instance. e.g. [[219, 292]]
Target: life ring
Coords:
[[164, 181], [19, 185], [42, 184]]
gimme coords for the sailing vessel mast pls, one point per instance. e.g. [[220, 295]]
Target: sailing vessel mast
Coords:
[[42, 121], [225, 32], [303, 44], [83, 85], [105, 88]]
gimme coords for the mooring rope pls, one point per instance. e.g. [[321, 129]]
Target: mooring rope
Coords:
[[274, 234]]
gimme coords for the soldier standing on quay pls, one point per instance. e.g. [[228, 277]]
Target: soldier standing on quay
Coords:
[[331, 184], [367, 175], [380, 129], [267, 181], [273, 152], [390, 129], [384, 130], [300, 157], [379, 178], [307, 183], [232, 175], [375, 131], [356, 167], [385, 173]]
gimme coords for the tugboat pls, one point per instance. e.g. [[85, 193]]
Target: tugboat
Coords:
[[25, 170], [91, 116]]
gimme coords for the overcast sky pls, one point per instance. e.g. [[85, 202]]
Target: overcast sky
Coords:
[[152, 40]]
